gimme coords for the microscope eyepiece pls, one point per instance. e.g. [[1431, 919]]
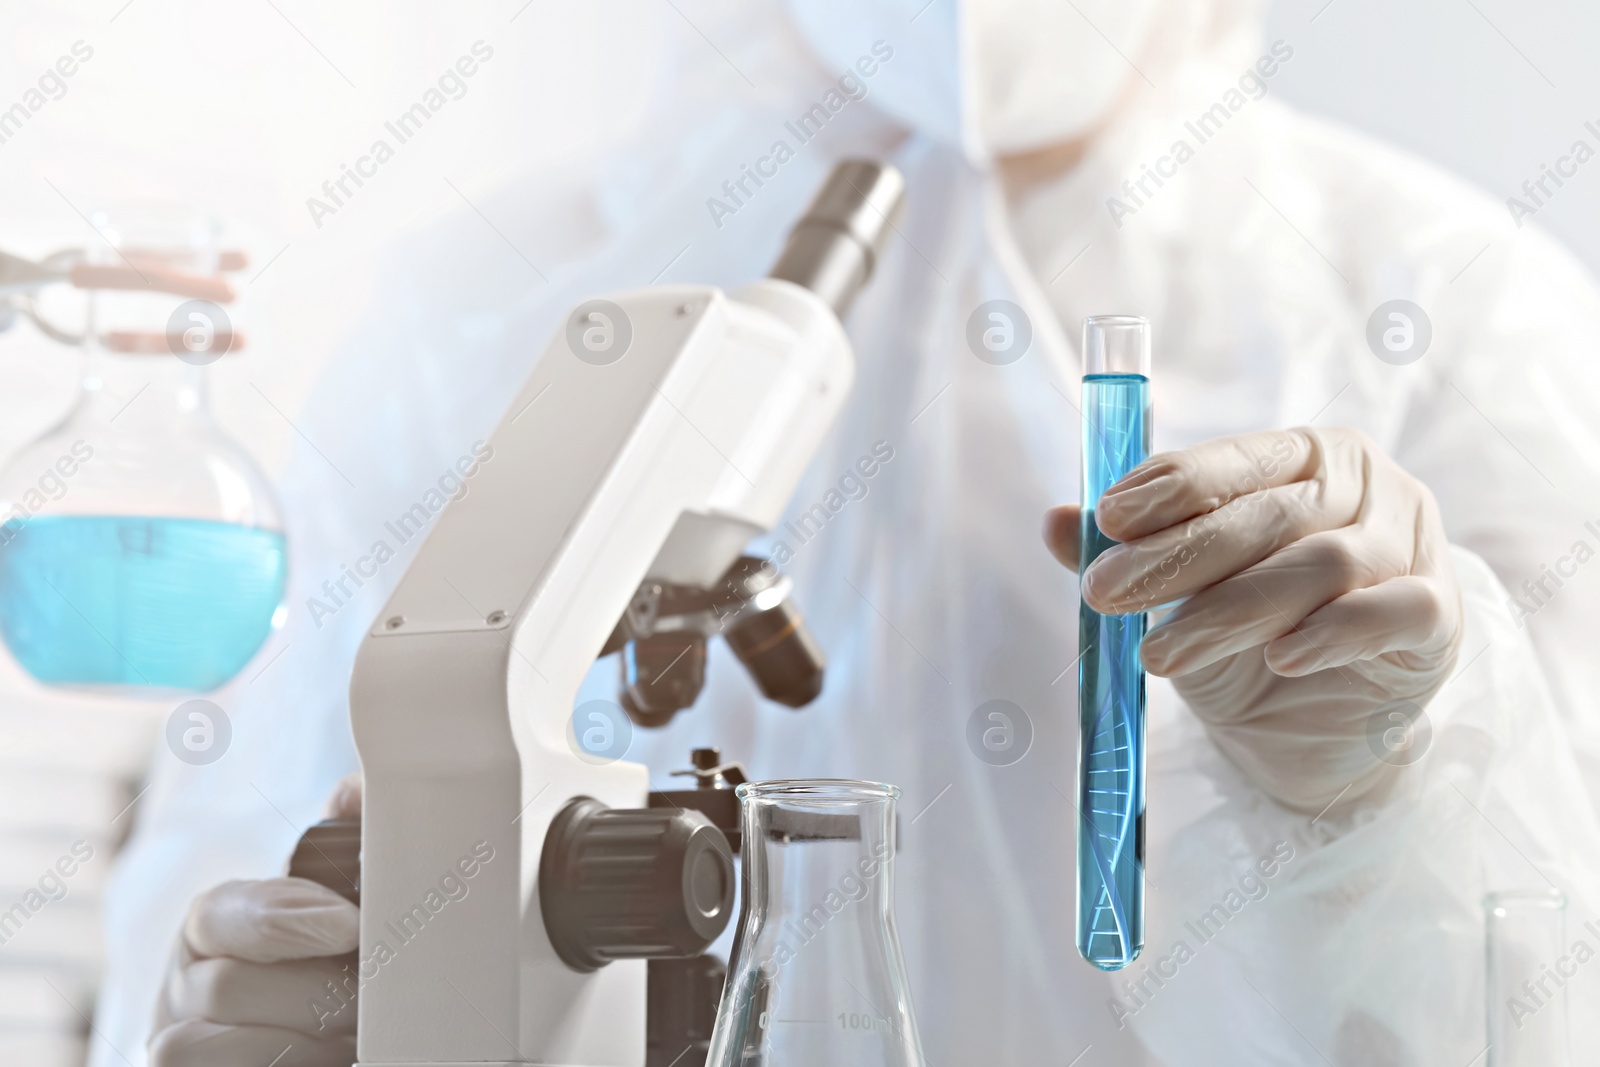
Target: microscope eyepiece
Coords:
[[834, 247]]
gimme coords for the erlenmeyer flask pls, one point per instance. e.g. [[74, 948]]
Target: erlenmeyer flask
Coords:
[[816, 978], [139, 544]]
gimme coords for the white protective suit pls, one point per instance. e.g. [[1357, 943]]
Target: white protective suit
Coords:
[[1259, 259]]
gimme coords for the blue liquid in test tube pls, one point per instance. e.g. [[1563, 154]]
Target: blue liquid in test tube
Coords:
[[1111, 700]]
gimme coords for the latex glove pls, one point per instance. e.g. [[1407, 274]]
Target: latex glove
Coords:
[[250, 960], [1321, 598]]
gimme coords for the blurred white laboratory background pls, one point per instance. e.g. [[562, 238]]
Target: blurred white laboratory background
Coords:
[[244, 110]]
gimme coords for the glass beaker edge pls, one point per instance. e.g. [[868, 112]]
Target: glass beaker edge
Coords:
[[801, 789], [1550, 898]]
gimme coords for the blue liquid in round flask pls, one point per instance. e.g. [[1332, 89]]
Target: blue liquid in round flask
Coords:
[[140, 547], [1111, 678]]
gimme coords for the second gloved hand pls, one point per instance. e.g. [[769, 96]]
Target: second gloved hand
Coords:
[[251, 965], [1320, 595]]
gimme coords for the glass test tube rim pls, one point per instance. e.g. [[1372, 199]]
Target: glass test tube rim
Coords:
[[1098, 358]]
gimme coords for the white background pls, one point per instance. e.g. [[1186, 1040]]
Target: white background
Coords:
[[1489, 89]]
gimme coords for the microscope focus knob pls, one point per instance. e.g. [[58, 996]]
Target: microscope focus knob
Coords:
[[619, 883]]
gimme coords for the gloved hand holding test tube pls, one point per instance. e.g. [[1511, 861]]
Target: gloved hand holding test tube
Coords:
[[1111, 677]]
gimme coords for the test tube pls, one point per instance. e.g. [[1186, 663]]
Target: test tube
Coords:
[[1525, 934], [1111, 690]]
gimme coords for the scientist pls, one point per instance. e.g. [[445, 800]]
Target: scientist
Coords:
[[1375, 404]]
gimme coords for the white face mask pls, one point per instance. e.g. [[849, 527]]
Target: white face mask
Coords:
[[992, 77]]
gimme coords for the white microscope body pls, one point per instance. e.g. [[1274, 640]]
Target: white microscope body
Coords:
[[655, 456]]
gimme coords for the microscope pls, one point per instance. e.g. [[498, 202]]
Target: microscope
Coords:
[[523, 900]]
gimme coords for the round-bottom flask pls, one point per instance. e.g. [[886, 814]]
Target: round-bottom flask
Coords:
[[816, 976], [139, 545]]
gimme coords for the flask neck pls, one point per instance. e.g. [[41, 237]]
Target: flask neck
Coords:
[[129, 391], [802, 855]]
